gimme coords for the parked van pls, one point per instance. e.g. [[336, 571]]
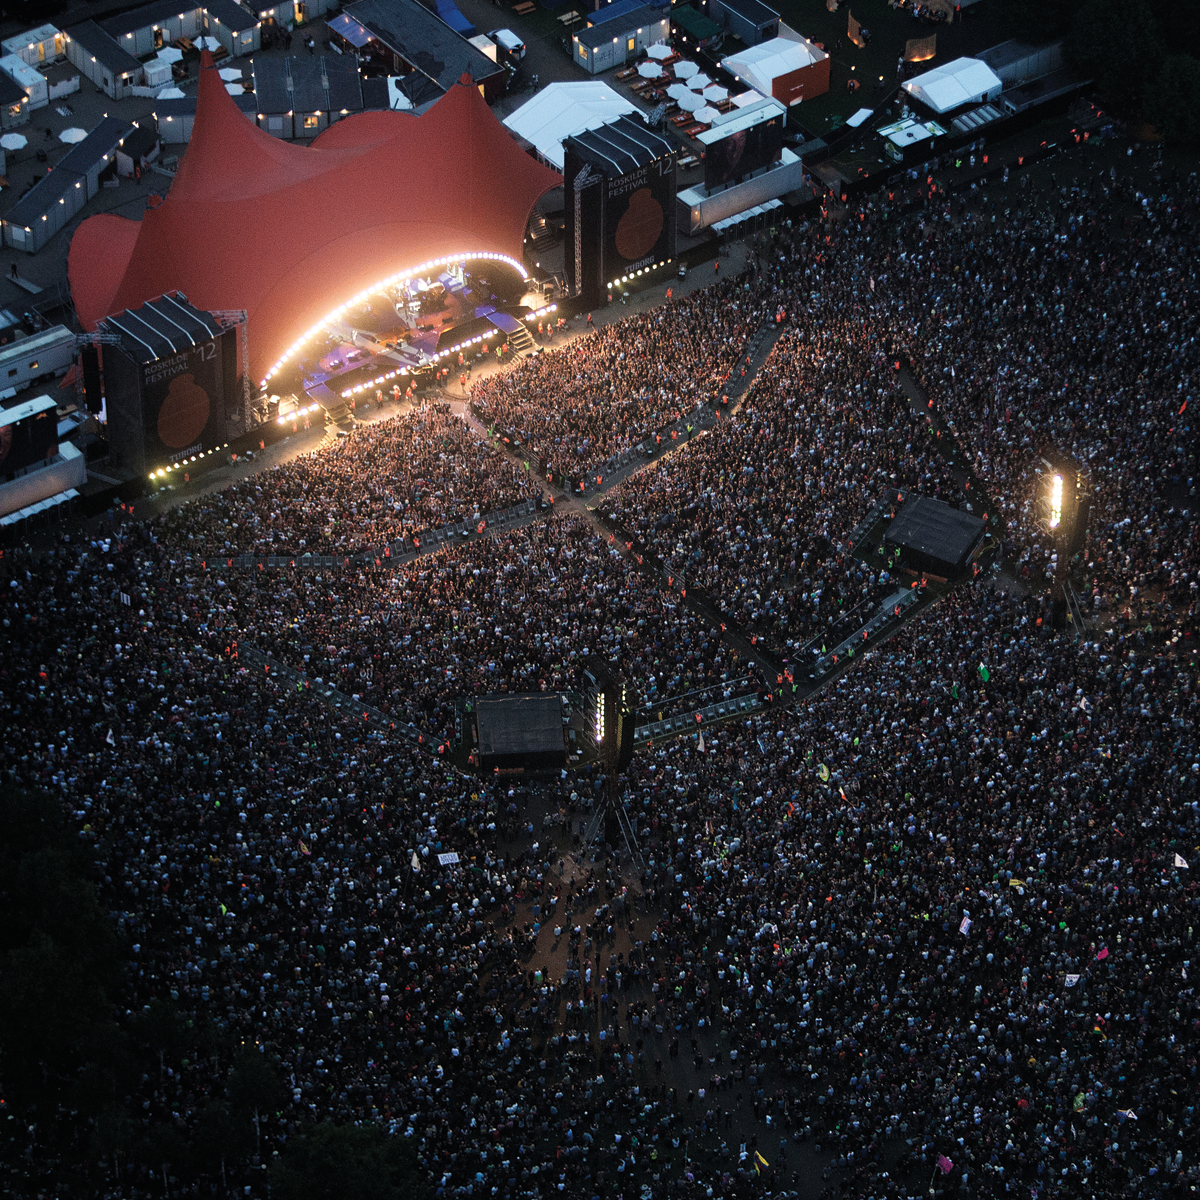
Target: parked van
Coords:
[[508, 42]]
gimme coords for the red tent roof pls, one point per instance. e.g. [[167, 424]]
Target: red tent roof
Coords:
[[289, 232]]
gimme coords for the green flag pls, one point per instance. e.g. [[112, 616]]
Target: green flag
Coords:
[[984, 673]]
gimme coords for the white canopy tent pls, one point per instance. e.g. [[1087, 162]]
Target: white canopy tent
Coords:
[[761, 65], [963, 81], [659, 50], [562, 110]]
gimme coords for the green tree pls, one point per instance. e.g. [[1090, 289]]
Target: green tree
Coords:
[[165, 1149], [220, 1138], [329, 1162], [1039, 21], [161, 1027], [114, 1135], [1122, 71], [255, 1090], [58, 955], [1173, 104]]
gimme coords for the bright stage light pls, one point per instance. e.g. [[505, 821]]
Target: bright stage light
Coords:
[[400, 277], [1056, 497]]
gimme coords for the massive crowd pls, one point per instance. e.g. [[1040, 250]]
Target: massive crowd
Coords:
[[942, 914], [577, 406], [519, 612], [385, 481]]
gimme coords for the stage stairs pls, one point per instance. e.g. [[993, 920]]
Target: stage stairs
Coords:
[[341, 416], [521, 342]]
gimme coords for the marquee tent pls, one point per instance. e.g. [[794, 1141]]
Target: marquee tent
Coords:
[[563, 110], [376, 195], [963, 81], [790, 70]]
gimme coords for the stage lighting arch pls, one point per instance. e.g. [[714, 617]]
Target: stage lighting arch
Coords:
[[398, 278]]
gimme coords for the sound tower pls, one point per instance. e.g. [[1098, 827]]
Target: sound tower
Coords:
[[620, 205], [91, 379], [168, 379]]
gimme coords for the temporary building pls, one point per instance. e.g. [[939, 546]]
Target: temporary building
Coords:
[[14, 103], [150, 27], [36, 46], [963, 81], [300, 96], [358, 206], [96, 53], [412, 41], [235, 28], [51, 203], [31, 82], [789, 70], [614, 42], [693, 30], [750, 20], [157, 73], [562, 110], [175, 115]]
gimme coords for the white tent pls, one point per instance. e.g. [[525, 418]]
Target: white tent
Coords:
[[963, 81], [561, 110], [761, 65]]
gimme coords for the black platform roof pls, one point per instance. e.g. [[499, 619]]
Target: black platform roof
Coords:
[[68, 171], [143, 16], [621, 146], [935, 532], [161, 328], [520, 725], [233, 16], [319, 84], [423, 40], [103, 47]]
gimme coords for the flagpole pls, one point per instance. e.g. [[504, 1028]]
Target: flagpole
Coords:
[[932, 1178]]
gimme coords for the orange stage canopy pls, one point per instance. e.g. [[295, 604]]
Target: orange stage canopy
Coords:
[[289, 232]]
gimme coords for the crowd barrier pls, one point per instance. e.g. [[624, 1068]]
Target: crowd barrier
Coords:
[[371, 717], [399, 552]]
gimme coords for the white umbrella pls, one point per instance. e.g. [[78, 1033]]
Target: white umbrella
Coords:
[[207, 43], [699, 82], [690, 101], [170, 93], [660, 51], [170, 54], [231, 73], [235, 89], [685, 70], [715, 91], [649, 70], [13, 141], [676, 90], [706, 114], [72, 135]]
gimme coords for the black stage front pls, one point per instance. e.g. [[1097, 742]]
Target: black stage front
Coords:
[[520, 731], [933, 536]]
